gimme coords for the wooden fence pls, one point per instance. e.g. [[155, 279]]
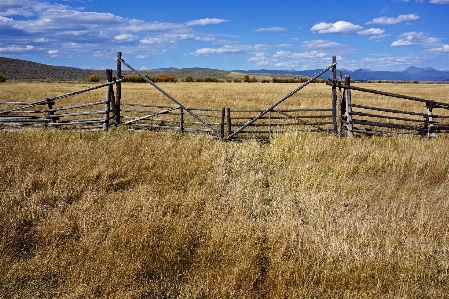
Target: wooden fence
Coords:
[[96, 115], [346, 114], [226, 121], [416, 115]]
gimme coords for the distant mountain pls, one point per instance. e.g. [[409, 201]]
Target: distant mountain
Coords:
[[410, 74], [16, 69]]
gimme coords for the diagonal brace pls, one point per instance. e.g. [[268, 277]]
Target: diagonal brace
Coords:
[[171, 98], [149, 116], [280, 101]]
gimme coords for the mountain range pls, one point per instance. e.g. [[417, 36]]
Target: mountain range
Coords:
[[412, 73], [16, 69]]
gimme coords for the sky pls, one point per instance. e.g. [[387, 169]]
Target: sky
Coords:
[[388, 35]]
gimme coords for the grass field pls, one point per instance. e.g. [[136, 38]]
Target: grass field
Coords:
[[143, 215]]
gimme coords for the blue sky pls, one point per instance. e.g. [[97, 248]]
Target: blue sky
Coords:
[[228, 34]]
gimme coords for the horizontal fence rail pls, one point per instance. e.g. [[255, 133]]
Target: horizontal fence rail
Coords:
[[225, 120], [353, 114], [423, 117], [44, 113]]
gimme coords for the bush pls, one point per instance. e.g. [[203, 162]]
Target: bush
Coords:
[[189, 79], [2, 78], [93, 78]]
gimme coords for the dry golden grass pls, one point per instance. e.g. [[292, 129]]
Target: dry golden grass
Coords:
[[143, 215]]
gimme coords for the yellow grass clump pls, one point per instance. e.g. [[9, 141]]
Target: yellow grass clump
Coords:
[[144, 215]]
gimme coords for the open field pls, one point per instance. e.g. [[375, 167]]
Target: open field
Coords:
[[145, 215], [217, 95]]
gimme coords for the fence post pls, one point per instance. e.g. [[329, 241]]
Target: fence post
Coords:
[[269, 125], [107, 105], [429, 106], [334, 95], [222, 122], [50, 113], [347, 96], [341, 105], [228, 115], [181, 121], [119, 90]]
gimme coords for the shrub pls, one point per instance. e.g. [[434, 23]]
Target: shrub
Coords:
[[209, 79], [2, 78], [93, 78], [189, 79]]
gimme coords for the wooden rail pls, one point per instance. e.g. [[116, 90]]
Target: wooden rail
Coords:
[[388, 121], [345, 114]]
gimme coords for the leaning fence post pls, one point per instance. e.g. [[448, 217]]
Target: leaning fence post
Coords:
[[222, 122], [228, 115], [347, 95], [334, 95], [107, 105], [118, 96], [429, 106]]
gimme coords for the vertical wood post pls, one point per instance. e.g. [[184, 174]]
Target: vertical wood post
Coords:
[[50, 104], [107, 105], [341, 106], [269, 125], [429, 107], [347, 95], [181, 121], [228, 121], [118, 97], [222, 122], [334, 96]]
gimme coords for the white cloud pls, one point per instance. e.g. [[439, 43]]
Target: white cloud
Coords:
[[392, 21], [223, 50], [343, 27], [441, 50], [206, 21], [378, 38], [50, 27], [414, 39], [311, 54], [26, 8], [272, 29], [322, 44], [125, 37], [16, 49], [439, 1], [307, 60], [53, 52], [371, 31], [337, 27]]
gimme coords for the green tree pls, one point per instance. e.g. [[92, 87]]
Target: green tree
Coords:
[[189, 79], [2, 78]]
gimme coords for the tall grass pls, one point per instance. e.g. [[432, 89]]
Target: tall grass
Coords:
[[143, 215]]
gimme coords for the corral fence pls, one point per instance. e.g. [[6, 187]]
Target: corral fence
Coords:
[[381, 116], [97, 115], [343, 116]]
